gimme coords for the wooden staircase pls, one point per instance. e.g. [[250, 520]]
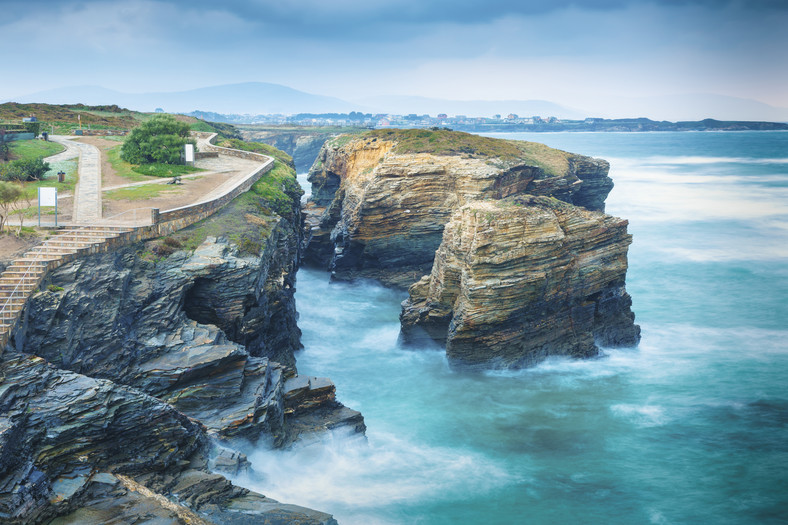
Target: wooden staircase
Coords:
[[23, 276]]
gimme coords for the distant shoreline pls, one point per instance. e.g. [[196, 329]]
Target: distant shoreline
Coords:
[[513, 123]]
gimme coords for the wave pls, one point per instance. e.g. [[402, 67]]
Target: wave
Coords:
[[641, 415], [345, 475]]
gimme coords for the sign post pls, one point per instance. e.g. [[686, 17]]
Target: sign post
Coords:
[[188, 154], [47, 196]]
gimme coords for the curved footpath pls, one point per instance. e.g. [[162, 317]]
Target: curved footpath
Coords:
[[87, 194], [91, 234]]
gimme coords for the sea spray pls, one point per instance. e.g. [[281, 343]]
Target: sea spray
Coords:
[[690, 427]]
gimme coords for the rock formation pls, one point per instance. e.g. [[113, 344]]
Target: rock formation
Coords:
[[91, 451], [521, 260], [381, 207], [518, 279], [134, 377]]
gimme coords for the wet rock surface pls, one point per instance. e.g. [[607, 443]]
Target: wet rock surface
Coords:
[[379, 213], [82, 450]]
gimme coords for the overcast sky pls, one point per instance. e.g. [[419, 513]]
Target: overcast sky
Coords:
[[580, 53]]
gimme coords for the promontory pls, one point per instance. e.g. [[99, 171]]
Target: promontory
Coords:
[[503, 245]]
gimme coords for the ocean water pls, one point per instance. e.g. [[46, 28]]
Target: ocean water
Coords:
[[689, 427]]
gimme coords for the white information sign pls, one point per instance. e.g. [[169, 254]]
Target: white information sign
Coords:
[[189, 152], [47, 196]]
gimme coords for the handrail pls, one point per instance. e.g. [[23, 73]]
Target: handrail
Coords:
[[20, 283], [5, 328]]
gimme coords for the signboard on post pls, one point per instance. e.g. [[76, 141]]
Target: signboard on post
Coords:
[[188, 153], [47, 197]]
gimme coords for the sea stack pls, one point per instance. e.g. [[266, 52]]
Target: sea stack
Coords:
[[504, 245]]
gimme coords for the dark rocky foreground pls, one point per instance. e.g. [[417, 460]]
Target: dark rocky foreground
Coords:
[[136, 378], [504, 245]]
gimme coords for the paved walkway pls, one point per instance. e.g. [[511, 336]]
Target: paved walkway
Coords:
[[71, 151], [23, 276], [87, 194]]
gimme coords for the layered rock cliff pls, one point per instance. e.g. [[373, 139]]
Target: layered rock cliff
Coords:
[[518, 279], [78, 450], [520, 260], [134, 377], [380, 200]]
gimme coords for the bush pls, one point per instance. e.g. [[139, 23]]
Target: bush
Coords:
[[10, 195], [161, 140], [10, 172], [32, 127], [24, 170]]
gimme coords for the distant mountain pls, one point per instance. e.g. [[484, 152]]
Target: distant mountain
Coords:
[[403, 105], [261, 98], [248, 97]]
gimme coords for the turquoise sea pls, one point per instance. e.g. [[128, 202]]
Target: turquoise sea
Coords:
[[689, 427]]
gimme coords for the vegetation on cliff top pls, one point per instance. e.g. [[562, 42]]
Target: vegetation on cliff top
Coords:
[[64, 118], [160, 140], [448, 142], [248, 220]]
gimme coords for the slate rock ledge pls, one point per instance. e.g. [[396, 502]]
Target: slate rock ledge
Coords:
[[136, 379]]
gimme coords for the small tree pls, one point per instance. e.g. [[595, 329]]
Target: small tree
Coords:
[[25, 170], [10, 195], [161, 140], [11, 172]]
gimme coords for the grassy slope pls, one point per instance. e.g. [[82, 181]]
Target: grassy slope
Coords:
[[249, 219], [65, 118], [33, 149], [447, 142]]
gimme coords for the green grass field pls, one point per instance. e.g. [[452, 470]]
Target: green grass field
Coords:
[[122, 168], [33, 149]]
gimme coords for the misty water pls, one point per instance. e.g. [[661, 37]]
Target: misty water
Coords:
[[689, 427]]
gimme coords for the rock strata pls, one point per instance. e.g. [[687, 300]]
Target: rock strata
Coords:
[[520, 260], [519, 279], [83, 450], [380, 211], [135, 377]]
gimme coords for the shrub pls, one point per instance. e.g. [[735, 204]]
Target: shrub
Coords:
[[10, 172], [32, 127], [25, 170], [10, 195], [161, 140]]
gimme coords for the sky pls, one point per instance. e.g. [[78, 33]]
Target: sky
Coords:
[[592, 54]]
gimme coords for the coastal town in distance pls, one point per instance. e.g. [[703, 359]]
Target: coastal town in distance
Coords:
[[495, 123]]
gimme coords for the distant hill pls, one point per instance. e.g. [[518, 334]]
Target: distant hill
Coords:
[[261, 98], [105, 116], [248, 97]]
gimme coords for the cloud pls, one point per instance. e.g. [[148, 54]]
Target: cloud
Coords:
[[450, 48]]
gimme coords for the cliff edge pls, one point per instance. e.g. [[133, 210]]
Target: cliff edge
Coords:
[[136, 378]]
